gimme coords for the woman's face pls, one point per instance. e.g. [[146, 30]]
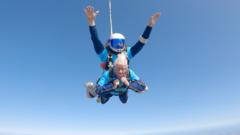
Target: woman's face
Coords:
[[121, 70]]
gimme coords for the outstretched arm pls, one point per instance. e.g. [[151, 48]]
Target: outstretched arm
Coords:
[[91, 15], [142, 40]]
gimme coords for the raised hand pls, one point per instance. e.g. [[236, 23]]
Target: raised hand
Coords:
[[90, 14], [153, 19]]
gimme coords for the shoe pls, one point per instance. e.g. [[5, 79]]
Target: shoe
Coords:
[[90, 89], [146, 88], [98, 99]]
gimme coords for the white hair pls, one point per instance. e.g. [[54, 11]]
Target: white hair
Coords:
[[121, 59]]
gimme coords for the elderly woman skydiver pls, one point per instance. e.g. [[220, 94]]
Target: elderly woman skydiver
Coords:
[[116, 82]]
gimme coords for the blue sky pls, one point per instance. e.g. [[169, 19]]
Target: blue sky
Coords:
[[191, 64]]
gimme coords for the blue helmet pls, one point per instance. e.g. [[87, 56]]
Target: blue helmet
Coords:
[[117, 42]]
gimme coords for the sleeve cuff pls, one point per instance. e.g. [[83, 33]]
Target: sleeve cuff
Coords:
[[142, 40]]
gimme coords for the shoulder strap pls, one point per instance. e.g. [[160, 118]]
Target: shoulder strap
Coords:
[[109, 63]]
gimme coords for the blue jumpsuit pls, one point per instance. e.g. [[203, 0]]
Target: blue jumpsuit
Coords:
[[105, 88]]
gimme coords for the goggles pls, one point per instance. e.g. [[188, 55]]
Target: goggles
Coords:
[[117, 44]]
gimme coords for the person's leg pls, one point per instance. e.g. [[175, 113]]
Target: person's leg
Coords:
[[93, 89], [138, 86], [104, 98], [104, 89], [123, 97]]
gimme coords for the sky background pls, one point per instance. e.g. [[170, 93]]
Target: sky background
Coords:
[[190, 63]]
